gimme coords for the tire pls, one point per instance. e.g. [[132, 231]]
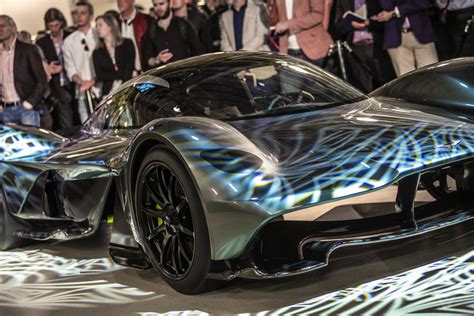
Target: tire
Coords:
[[175, 235]]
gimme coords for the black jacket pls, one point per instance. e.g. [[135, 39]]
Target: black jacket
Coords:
[[180, 38], [346, 32], [47, 45], [105, 70], [29, 76]]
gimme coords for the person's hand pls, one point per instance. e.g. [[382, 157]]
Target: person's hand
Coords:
[[358, 25], [55, 68], [1, 108], [86, 85], [27, 105], [384, 16], [281, 27], [135, 73], [165, 57]]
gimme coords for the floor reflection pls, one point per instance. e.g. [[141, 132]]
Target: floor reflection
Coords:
[[445, 286], [35, 279]]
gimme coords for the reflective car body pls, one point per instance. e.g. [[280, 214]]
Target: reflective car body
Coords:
[[261, 135]]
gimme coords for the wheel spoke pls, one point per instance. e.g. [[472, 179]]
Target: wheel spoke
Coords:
[[186, 231], [173, 254], [161, 185], [178, 255], [171, 188], [165, 247], [182, 249], [154, 195], [155, 233], [154, 213], [181, 205]]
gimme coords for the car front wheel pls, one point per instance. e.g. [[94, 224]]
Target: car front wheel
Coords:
[[171, 223]]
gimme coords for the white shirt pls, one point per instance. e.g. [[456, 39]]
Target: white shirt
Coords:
[[77, 50], [129, 32], [292, 40], [455, 4], [7, 81]]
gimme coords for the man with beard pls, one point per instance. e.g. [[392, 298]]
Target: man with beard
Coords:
[[171, 38], [22, 77]]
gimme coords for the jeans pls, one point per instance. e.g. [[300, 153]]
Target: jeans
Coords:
[[19, 115]]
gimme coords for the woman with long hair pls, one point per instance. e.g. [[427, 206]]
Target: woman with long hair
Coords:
[[114, 56]]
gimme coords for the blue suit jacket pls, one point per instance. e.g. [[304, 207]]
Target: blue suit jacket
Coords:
[[417, 13]]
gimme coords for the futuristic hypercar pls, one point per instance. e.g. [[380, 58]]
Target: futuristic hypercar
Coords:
[[199, 160]]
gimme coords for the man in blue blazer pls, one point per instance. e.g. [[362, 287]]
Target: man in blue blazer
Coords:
[[408, 34]]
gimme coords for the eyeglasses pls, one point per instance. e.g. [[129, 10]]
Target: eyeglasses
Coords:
[[83, 42]]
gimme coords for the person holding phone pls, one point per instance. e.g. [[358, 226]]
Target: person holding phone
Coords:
[[60, 86], [169, 39], [353, 25]]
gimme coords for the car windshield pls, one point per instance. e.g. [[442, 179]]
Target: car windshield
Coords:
[[225, 90]]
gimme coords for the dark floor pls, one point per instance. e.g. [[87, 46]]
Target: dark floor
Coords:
[[433, 273]]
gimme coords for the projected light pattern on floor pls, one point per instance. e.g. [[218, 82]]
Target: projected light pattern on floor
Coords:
[[445, 286], [442, 287], [34, 279]]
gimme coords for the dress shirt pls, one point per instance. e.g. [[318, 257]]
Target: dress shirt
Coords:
[[239, 17], [77, 49], [292, 40], [455, 4], [364, 34], [129, 32], [59, 52], [7, 80]]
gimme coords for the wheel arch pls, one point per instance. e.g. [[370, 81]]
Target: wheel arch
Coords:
[[142, 145]]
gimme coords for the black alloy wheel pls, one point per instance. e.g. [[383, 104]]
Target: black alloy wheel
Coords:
[[167, 221], [171, 223]]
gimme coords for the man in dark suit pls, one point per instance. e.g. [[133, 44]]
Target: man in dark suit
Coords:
[[60, 87], [22, 77], [409, 36], [366, 41]]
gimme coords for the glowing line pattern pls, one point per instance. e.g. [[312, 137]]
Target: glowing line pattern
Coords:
[[17, 144], [34, 279], [444, 286], [307, 160]]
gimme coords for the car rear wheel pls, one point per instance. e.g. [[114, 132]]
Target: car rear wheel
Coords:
[[171, 223]]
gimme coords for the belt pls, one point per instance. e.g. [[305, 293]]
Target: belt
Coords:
[[365, 42], [295, 51], [407, 30], [10, 104]]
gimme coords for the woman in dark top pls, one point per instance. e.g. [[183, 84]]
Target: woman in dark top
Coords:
[[114, 57]]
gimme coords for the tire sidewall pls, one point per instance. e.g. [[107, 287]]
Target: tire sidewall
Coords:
[[195, 278]]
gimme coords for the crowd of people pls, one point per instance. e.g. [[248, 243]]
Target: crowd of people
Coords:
[[51, 82]]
